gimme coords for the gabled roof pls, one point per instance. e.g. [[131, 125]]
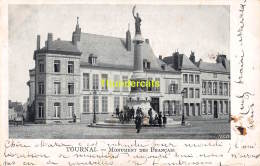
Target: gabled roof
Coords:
[[111, 52], [61, 46], [185, 62], [215, 67]]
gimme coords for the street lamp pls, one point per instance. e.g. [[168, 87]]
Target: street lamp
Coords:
[[182, 117], [94, 110]]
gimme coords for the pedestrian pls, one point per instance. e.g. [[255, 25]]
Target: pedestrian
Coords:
[[160, 119], [117, 111], [164, 120], [150, 113], [133, 112], [74, 117], [138, 122], [155, 121]]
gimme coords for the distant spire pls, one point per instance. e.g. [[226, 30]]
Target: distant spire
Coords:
[[77, 20], [128, 26]]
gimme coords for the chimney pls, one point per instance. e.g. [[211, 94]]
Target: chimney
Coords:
[[222, 59], [147, 41], [49, 39], [160, 57], [38, 46], [192, 57], [128, 39]]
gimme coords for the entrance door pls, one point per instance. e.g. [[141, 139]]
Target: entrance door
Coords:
[[155, 104], [215, 109]]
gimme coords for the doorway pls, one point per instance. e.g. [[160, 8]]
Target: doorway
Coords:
[[155, 104], [215, 109]]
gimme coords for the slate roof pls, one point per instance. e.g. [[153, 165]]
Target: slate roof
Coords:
[[61, 46], [215, 67], [111, 52], [185, 62]]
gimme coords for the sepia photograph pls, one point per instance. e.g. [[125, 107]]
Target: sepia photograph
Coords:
[[97, 71]]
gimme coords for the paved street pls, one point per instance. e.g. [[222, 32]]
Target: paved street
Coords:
[[197, 130]]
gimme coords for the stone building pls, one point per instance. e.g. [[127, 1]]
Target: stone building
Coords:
[[68, 77]]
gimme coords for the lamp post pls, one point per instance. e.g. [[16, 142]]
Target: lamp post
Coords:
[[94, 110], [182, 106]]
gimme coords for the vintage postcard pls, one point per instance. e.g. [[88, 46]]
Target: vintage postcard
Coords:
[[130, 83]]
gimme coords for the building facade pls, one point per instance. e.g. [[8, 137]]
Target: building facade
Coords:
[[68, 76]]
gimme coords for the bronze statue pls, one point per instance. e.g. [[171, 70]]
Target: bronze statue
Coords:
[[137, 22]]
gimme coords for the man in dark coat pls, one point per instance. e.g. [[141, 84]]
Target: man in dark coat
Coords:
[[138, 122], [150, 113], [117, 111], [164, 120], [132, 113]]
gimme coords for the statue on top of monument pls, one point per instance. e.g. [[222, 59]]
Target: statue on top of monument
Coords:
[[137, 21]]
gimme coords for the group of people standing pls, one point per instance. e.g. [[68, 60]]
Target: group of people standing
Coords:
[[158, 119], [129, 113]]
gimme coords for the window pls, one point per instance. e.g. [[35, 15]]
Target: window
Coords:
[[221, 107], [209, 88], [116, 102], [225, 89], [197, 93], [125, 87], [226, 107], [185, 93], [86, 81], [71, 88], [203, 87], [56, 88], [95, 103], [57, 110], [85, 104], [185, 78], [116, 81], [150, 88], [209, 107], [173, 88], [104, 104], [220, 88], [92, 59], [191, 90], [71, 109], [157, 89], [191, 78], [95, 81], [197, 79], [41, 88], [215, 75], [104, 80], [124, 101], [204, 107], [56, 65], [215, 90], [41, 110], [41, 66], [70, 67], [148, 65]]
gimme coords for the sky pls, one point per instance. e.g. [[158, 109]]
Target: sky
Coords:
[[203, 29]]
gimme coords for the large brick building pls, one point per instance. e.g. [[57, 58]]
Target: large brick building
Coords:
[[68, 76]]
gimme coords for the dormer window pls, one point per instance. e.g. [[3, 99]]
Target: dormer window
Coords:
[[92, 59], [146, 64], [163, 67]]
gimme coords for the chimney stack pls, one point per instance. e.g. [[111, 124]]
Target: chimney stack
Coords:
[[192, 57], [49, 39], [160, 57], [38, 46], [128, 39]]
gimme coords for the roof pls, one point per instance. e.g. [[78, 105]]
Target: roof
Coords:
[[111, 52], [185, 62], [215, 67], [61, 46]]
